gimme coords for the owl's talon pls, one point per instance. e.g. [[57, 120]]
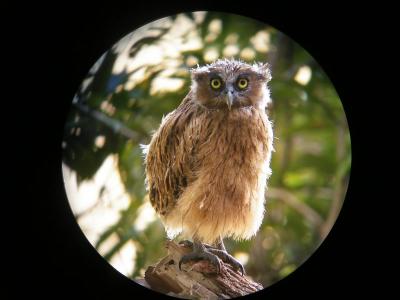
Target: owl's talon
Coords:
[[227, 258], [201, 255], [186, 243], [189, 244]]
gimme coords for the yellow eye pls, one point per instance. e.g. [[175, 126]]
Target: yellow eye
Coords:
[[216, 83], [242, 83]]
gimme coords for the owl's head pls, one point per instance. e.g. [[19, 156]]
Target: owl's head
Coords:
[[230, 84]]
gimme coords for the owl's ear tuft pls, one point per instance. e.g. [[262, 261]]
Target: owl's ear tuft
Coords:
[[197, 73], [264, 69], [193, 71]]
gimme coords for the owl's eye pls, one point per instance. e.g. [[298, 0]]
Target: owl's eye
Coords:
[[242, 83], [216, 83]]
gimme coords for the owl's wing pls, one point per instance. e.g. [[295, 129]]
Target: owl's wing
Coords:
[[170, 158]]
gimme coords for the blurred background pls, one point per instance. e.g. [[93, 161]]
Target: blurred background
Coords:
[[143, 77]]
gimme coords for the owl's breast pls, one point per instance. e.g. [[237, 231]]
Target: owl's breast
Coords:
[[227, 197], [238, 140]]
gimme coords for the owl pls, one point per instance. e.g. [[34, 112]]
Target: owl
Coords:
[[208, 163]]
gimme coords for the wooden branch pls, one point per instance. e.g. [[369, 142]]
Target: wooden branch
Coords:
[[196, 280], [115, 125], [290, 199]]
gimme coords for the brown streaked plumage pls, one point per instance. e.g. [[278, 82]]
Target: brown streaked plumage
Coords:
[[208, 163]]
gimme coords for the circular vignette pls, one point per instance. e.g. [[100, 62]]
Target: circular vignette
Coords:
[[143, 77]]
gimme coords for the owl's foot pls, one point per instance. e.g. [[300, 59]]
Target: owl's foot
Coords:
[[219, 251], [201, 253], [229, 259], [189, 244], [186, 243]]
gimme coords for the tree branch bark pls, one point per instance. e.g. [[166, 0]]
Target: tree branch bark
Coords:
[[290, 199], [196, 280], [115, 125]]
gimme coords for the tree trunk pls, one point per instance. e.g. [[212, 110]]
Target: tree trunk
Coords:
[[196, 280]]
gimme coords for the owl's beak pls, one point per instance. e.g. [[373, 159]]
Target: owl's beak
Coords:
[[230, 98]]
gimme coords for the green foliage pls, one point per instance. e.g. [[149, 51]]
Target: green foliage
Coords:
[[311, 163]]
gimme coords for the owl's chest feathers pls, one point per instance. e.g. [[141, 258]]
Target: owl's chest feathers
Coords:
[[234, 142], [227, 196]]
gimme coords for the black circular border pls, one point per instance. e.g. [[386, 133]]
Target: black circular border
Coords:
[[74, 38]]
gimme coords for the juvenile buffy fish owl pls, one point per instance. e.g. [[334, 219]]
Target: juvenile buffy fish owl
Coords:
[[207, 165]]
